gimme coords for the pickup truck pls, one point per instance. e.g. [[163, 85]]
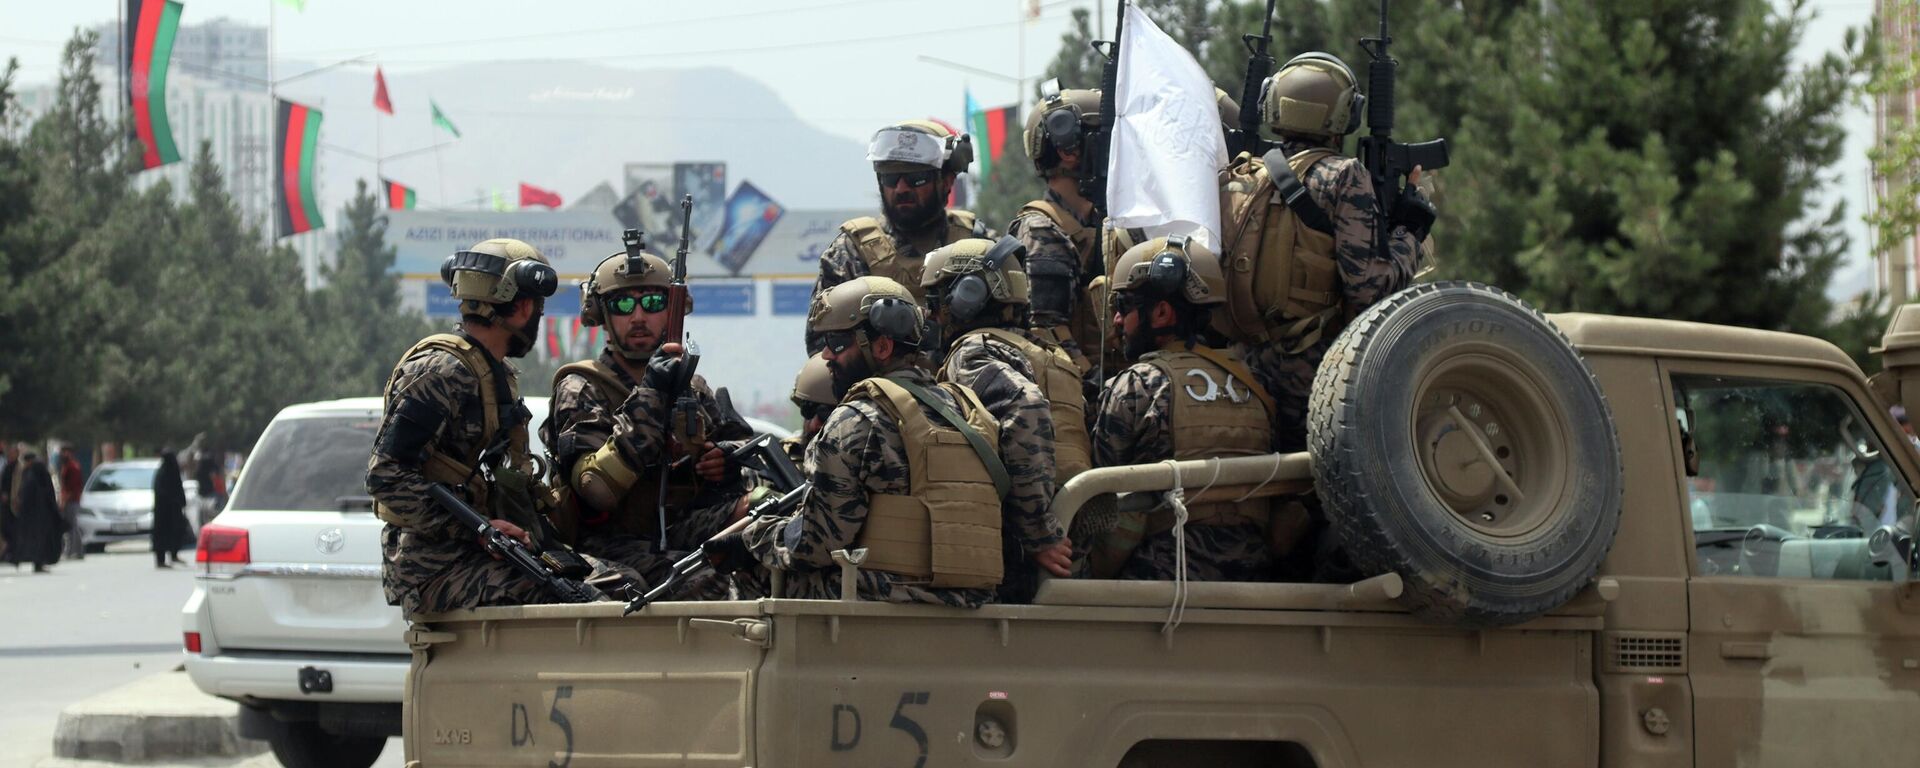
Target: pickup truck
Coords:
[[1582, 540]]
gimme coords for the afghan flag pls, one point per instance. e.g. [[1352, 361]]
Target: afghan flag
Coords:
[[399, 196], [990, 129], [296, 145], [151, 25]]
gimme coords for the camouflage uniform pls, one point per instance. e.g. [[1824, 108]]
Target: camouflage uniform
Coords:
[[432, 562], [1342, 188], [1134, 426], [859, 452], [841, 261], [581, 421], [1003, 379], [1047, 244]]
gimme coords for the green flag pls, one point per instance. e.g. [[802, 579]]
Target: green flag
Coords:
[[440, 119]]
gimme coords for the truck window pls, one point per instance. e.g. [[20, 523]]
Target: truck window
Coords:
[[1786, 480]]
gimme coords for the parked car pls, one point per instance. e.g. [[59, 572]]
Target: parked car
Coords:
[[288, 616], [117, 502]]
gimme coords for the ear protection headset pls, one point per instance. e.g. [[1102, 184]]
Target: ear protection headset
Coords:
[[1350, 95], [1062, 123], [969, 294], [519, 279], [895, 318], [591, 315], [1167, 273]]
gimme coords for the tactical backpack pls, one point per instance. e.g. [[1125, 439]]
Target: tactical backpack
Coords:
[[1283, 281]]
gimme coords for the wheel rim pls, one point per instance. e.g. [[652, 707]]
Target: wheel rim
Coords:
[[1491, 441]]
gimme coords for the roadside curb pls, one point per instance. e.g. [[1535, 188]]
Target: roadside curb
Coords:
[[162, 717]]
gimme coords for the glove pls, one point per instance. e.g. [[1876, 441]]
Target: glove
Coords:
[[729, 553], [663, 372], [1414, 212]]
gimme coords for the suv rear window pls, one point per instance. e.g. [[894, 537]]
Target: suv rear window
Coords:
[[308, 464]]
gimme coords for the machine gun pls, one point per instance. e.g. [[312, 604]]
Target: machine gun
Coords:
[[558, 571], [686, 425], [1259, 66], [1099, 141], [696, 563], [1387, 161]]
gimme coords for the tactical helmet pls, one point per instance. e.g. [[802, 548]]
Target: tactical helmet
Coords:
[[913, 145], [612, 276], [1060, 120], [1314, 94], [1171, 267], [976, 271], [814, 384], [495, 272], [869, 303]]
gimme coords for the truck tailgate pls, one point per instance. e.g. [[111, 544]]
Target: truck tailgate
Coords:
[[582, 686]]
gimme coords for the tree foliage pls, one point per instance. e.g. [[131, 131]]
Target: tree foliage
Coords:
[[148, 315]]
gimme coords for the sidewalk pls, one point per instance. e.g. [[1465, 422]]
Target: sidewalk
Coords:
[[156, 718]]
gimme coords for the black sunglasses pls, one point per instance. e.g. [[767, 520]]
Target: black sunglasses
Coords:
[[837, 341], [811, 410], [915, 179], [624, 304]]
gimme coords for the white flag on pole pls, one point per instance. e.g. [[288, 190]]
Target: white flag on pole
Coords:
[[1168, 147]]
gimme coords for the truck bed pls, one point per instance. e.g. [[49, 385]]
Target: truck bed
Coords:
[[1282, 674]]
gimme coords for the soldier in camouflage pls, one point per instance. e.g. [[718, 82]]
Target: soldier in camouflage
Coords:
[[1061, 230], [814, 397], [453, 415], [1311, 104], [977, 293], [608, 433], [867, 468], [1181, 399], [915, 163]]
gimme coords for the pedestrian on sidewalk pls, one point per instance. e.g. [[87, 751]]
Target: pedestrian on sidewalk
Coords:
[[36, 514], [209, 486], [71, 480], [170, 528]]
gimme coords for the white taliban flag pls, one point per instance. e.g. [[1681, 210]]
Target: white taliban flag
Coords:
[[1168, 147]]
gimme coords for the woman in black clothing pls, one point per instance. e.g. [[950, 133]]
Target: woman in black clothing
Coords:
[[170, 528]]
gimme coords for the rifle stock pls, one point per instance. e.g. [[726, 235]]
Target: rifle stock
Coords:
[[696, 562]]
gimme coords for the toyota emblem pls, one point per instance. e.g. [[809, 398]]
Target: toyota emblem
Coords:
[[331, 541]]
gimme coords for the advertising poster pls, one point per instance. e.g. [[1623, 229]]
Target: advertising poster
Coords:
[[707, 182], [650, 203], [750, 215]]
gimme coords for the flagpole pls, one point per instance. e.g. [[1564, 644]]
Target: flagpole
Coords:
[[377, 177]]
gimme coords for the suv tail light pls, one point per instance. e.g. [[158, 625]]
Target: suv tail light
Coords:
[[223, 549], [193, 642]]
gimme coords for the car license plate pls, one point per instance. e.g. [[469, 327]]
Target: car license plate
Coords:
[[126, 527]]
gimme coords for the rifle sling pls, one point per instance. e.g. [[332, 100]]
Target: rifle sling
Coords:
[[1002, 482], [1294, 193]]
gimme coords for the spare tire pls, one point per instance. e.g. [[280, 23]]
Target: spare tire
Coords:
[[1460, 441]]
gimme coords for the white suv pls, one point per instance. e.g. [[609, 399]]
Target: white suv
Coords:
[[288, 616]]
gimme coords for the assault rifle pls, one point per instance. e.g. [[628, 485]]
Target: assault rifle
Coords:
[[1387, 161], [559, 571], [686, 424], [696, 562], [1099, 142], [1259, 66]]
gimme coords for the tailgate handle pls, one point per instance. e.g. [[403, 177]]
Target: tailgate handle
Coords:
[[753, 631], [1755, 651]]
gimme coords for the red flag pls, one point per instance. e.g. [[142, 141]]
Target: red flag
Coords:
[[380, 100], [531, 195]]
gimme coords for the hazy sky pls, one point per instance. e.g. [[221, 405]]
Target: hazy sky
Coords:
[[846, 66]]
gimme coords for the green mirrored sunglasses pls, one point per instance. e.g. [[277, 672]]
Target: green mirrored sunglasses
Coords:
[[651, 302]]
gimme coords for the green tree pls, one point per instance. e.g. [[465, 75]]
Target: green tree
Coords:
[[1896, 158], [367, 330]]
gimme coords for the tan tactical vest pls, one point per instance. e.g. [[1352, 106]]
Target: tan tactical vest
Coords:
[[947, 527], [1283, 281], [877, 249], [1059, 379], [638, 512], [456, 470], [1218, 412], [1090, 306]]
